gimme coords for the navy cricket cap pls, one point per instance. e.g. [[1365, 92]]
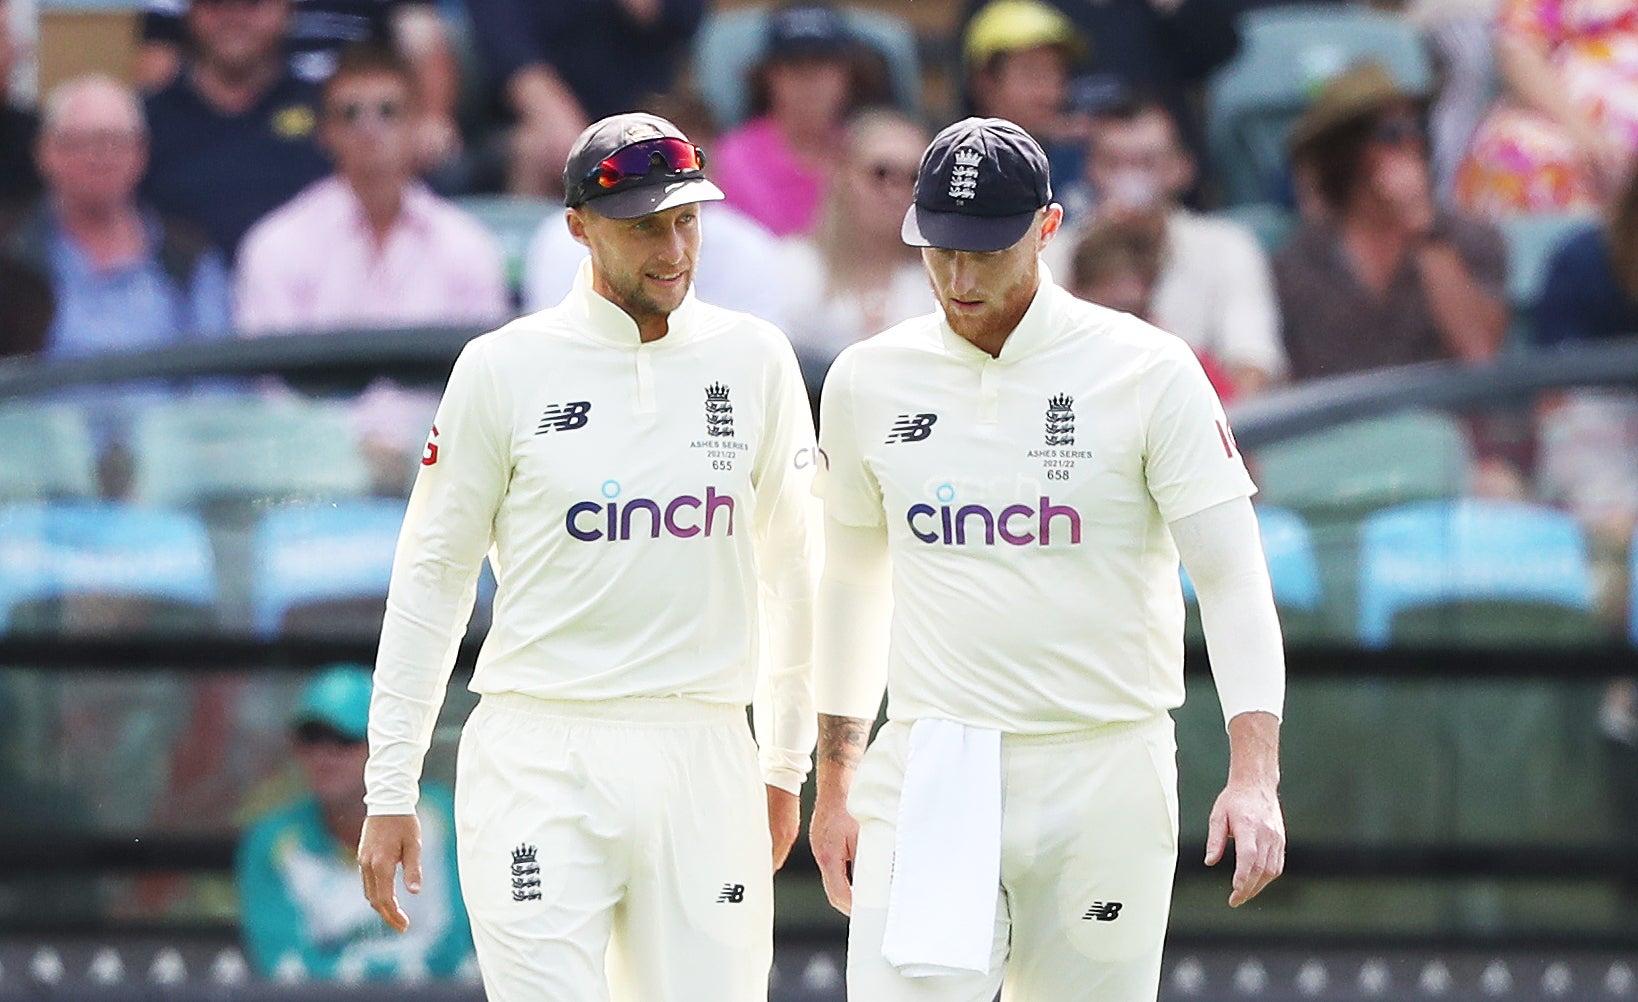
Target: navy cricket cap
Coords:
[[630, 165], [981, 182], [806, 30]]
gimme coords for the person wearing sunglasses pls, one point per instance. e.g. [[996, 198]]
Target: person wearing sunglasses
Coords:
[[636, 464], [1377, 274], [300, 914]]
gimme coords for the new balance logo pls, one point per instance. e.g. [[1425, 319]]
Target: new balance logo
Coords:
[[525, 874], [1102, 911], [911, 428], [564, 417], [732, 894]]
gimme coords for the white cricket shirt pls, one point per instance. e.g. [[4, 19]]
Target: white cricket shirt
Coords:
[[633, 500], [1026, 500]]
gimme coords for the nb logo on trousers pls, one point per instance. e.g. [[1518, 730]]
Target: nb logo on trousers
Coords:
[[1102, 911], [732, 894]]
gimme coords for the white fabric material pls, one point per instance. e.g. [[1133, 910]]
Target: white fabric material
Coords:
[[852, 622], [1216, 290], [739, 267], [1223, 552], [561, 431], [824, 320], [1025, 500], [947, 853]]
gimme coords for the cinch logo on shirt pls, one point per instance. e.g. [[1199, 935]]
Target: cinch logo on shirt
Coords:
[[1017, 524], [685, 516]]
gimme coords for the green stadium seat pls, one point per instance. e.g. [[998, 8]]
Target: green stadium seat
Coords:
[[1287, 54], [730, 43], [513, 219], [245, 449], [49, 453]]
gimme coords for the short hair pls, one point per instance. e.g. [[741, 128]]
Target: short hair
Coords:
[[1131, 107], [55, 107], [1108, 246], [361, 59]]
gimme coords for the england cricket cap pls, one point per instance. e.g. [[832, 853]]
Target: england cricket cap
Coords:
[[981, 182], [630, 165], [338, 698]]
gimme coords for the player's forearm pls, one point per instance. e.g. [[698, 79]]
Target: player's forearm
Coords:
[[842, 742], [1254, 750]]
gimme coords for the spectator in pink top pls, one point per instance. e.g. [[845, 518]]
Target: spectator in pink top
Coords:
[[775, 167], [369, 246]]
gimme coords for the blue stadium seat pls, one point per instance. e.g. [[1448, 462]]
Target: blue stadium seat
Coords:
[[1293, 568], [730, 43], [334, 560], [50, 552], [1287, 55], [1478, 571]]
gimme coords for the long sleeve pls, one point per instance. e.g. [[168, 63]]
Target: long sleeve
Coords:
[[786, 518], [261, 302], [1250, 312], [448, 528], [1222, 550]]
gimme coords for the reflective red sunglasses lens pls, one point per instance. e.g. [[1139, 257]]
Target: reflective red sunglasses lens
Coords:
[[673, 156]]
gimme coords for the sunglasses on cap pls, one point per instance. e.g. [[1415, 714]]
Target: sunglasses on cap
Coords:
[[667, 154]]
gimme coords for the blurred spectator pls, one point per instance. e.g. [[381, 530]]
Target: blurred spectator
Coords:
[[18, 179], [1163, 47], [1018, 55], [1116, 265], [1214, 289], [742, 272], [232, 136], [1591, 289], [319, 30], [561, 64], [774, 168], [301, 910], [112, 274], [369, 246], [1460, 35], [1566, 129], [1377, 275], [855, 276]]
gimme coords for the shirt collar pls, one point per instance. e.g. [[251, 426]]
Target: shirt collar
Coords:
[[1038, 327], [414, 205], [603, 321]]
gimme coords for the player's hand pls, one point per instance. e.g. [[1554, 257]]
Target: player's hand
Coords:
[[390, 840], [784, 822], [834, 836], [1248, 813]]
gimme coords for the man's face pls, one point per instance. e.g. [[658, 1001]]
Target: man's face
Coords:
[[1028, 87], [96, 151], [1137, 164], [984, 295], [237, 34], [812, 91], [367, 126], [332, 763], [8, 50], [880, 178], [643, 265]]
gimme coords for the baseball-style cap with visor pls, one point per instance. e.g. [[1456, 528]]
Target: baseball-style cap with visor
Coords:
[[630, 165], [982, 180], [334, 706]]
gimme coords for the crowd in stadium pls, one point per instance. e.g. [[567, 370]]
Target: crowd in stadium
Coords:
[[301, 166]]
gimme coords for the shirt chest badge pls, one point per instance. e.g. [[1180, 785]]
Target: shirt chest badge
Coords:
[[1057, 454], [721, 446]]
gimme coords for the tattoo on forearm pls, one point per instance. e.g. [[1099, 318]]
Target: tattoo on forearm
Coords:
[[842, 740]]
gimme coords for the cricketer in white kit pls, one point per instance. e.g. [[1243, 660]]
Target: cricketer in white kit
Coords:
[[1016, 476], [637, 466]]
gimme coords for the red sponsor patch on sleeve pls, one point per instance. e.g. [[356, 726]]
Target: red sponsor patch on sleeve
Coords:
[[430, 455]]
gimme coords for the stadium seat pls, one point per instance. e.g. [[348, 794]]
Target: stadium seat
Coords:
[[1293, 569], [97, 566], [1474, 572], [48, 453], [1270, 222], [1412, 455], [1287, 55], [513, 219], [323, 569], [730, 43], [245, 449]]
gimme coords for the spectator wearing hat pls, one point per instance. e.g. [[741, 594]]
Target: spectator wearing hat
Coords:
[[775, 168], [1214, 289], [300, 910], [1018, 56], [558, 65], [1377, 274]]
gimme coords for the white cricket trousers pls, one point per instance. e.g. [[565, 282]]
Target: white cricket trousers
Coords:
[[615, 850], [1088, 849]]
